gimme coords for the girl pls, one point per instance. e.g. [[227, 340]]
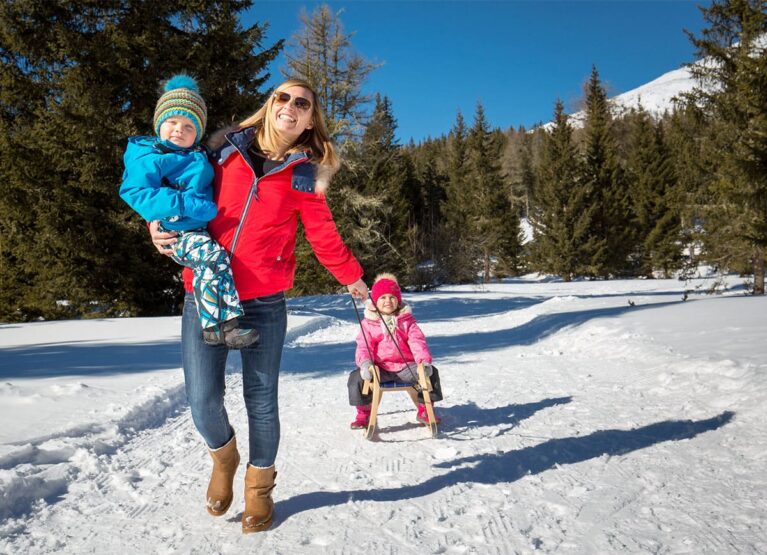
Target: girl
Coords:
[[391, 339]]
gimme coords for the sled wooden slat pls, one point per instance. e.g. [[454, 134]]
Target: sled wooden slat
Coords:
[[378, 389]]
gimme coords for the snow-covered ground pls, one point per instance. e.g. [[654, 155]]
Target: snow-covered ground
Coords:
[[586, 417]]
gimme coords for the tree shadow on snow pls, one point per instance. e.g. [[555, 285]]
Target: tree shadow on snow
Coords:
[[324, 357], [88, 359], [457, 419], [460, 418], [495, 468], [426, 309], [535, 330]]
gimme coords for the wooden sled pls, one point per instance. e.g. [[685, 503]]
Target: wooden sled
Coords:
[[379, 389]]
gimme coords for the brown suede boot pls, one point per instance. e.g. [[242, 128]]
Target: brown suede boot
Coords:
[[259, 483], [225, 461]]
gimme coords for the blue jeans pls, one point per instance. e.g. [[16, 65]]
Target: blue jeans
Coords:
[[205, 368]]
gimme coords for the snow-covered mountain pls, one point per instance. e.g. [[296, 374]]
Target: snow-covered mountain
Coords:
[[656, 97], [662, 94], [659, 95]]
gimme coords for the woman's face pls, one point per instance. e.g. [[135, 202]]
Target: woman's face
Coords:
[[292, 112]]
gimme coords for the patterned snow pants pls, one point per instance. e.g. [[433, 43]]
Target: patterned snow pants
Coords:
[[214, 292]]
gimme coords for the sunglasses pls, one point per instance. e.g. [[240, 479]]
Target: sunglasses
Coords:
[[299, 101]]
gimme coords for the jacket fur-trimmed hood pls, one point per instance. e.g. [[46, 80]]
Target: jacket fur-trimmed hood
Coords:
[[322, 174], [372, 314]]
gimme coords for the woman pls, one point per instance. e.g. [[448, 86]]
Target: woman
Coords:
[[270, 171]]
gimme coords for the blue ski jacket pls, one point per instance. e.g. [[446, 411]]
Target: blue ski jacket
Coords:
[[165, 182]]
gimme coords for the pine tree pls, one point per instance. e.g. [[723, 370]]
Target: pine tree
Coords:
[[685, 129], [321, 53], [68, 103], [429, 162], [602, 173], [654, 193], [492, 226], [563, 210], [733, 93], [457, 162], [389, 175], [459, 259], [524, 172]]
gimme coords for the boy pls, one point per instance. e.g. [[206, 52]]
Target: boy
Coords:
[[168, 178]]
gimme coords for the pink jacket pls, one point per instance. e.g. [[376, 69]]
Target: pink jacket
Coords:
[[408, 335]]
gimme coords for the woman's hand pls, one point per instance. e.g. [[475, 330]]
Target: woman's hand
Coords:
[[358, 289], [162, 240]]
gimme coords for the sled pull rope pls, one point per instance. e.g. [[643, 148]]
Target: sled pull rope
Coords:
[[362, 330]]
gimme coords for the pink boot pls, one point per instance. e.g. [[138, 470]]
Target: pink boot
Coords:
[[423, 416], [363, 416]]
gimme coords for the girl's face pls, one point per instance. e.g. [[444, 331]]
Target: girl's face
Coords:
[[179, 130], [292, 112], [387, 304]]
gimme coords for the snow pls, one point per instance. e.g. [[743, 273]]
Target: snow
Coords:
[[573, 422]]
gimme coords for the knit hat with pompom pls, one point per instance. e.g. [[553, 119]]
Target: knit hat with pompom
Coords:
[[181, 98], [386, 283]]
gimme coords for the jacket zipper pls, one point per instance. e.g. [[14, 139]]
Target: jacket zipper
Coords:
[[253, 189]]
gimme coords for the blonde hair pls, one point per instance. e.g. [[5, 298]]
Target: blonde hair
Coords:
[[315, 140]]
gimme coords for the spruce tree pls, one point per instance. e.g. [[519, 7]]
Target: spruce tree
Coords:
[[429, 159], [733, 93], [524, 172], [654, 197], [71, 247], [460, 258], [685, 129], [492, 226], [602, 173], [563, 210], [389, 173]]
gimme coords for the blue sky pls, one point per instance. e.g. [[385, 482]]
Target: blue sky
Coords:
[[516, 57]]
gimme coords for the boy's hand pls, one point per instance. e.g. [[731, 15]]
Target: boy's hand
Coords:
[[162, 240]]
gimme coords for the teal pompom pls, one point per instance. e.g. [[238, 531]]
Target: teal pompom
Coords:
[[181, 81]]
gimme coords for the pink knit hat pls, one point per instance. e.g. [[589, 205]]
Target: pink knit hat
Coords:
[[386, 283]]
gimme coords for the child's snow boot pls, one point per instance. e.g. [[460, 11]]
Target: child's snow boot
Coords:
[[230, 334], [259, 507], [239, 338], [423, 416], [363, 416], [225, 461]]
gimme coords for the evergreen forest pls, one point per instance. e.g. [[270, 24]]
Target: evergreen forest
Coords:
[[624, 195]]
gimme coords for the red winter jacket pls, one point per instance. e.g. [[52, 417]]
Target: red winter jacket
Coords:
[[257, 221]]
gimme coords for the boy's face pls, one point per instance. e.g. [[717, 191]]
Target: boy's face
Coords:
[[387, 303], [179, 130]]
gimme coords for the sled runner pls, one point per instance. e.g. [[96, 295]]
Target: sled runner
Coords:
[[378, 389]]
